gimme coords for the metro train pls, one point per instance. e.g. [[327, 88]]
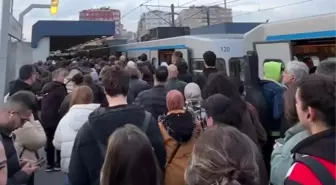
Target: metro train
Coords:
[[225, 46], [311, 36]]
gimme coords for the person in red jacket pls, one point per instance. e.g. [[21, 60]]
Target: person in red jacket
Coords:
[[314, 157]]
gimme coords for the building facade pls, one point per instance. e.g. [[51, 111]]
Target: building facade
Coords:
[[153, 19], [194, 17], [102, 14]]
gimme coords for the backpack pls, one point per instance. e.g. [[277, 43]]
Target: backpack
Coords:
[[318, 169], [197, 110], [103, 148]]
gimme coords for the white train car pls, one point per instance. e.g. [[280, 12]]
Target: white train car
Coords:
[[311, 36], [224, 46]]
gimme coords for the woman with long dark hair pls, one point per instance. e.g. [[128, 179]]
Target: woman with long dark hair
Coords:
[[130, 159]]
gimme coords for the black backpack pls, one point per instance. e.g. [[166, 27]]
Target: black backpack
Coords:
[[102, 147]]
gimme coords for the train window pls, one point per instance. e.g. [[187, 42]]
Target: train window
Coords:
[[236, 67], [221, 65], [197, 64]]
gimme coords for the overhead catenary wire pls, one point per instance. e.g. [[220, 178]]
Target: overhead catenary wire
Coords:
[[259, 10], [208, 5], [129, 12], [159, 16], [273, 8], [188, 2]]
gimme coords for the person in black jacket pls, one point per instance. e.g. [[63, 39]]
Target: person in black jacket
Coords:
[[210, 67], [90, 144], [53, 95], [136, 84], [154, 99], [13, 115], [146, 68], [183, 73], [27, 76]]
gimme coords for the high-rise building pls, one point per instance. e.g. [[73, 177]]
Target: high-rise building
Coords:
[[153, 19], [102, 14], [194, 17]]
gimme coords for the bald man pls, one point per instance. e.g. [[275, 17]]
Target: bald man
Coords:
[[173, 82]]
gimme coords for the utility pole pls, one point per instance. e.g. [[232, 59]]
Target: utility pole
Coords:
[[173, 15], [225, 3], [208, 15]]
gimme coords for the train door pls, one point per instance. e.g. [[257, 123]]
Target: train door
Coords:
[[165, 55], [124, 53], [272, 50]]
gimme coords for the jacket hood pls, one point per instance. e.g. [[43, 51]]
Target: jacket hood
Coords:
[[103, 121], [294, 130], [272, 71], [180, 125], [51, 86], [79, 114], [320, 145]]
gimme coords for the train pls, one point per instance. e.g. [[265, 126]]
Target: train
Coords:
[[279, 41]]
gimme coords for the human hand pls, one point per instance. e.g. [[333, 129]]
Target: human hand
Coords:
[[29, 168], [31, 118], [26, 161], [276, 145]]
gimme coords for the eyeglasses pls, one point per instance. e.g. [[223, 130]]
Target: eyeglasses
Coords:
[[3, 164]]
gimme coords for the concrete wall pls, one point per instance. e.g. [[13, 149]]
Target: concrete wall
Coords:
[[19, 53], [42, 51]]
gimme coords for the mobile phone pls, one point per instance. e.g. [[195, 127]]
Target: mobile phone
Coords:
[[280, 141], [40, 162]]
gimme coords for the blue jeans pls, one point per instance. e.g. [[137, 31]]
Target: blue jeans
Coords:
[[66, 180]]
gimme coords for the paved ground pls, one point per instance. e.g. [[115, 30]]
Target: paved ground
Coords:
[[50, 178]]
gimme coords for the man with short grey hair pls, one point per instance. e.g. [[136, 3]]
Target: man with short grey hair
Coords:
[[295, 71], [326, 67], [173, 83], [53, 95]]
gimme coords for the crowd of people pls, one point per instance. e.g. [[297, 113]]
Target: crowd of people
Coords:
[[126, 122]]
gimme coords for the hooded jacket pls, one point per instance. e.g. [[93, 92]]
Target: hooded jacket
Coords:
[[53, 95], [321, 147], [281, 159], [29, 139], [67, 130], [178, 127], [18, 85], [86, 161], [15, 174]]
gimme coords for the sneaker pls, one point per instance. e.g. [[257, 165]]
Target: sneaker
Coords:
[[49, 168], [57, 167]]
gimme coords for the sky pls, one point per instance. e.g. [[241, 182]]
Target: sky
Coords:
[[243, 10]]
